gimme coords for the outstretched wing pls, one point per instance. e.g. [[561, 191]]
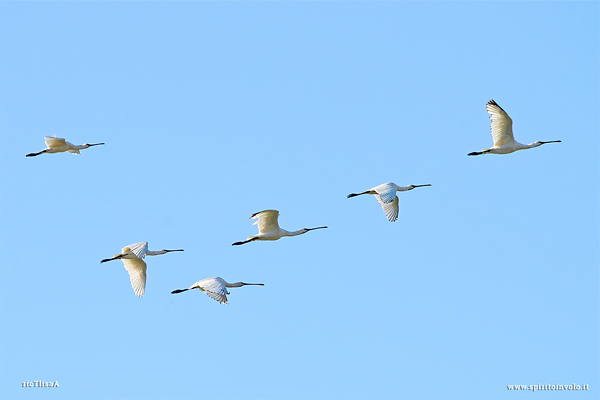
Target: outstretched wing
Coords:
[[214, 289], [501, 124], [267, 220], [136, 268], [54, 142], [139, 249], [390, 209], [386, 192], [72, 149]]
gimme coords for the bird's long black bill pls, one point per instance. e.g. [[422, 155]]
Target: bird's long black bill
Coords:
[[355, 194], [312, 229], [110, 259], [551, 141], [244, 242], [96, 144], [178, 291], [253, 284], [168, 251], [428, 184]]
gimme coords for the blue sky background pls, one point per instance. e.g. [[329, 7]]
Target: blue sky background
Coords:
[[212, 111]]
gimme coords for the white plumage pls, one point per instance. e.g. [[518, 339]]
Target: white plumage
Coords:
[[502, 133], [132, 257], [59, 145], [268, 227], [215, 288], [386, 196]]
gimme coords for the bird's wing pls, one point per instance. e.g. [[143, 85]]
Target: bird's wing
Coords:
[[214, 289], [501, 124], [266, 220], [53, 141], [139, 249], [72, 150], [390, 209], [386, 192], [136, 268]]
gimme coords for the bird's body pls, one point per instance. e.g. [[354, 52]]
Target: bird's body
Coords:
[[215, 288], [502, 134], [268, 227], [386, 196], [133, 261], [58, 145]]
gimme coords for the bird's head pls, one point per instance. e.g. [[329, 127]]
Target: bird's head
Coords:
[[551, 141], [411, 187], [92, 144], [304, 230]]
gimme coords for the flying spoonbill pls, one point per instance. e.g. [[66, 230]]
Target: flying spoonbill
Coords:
[[502, 134], [268, 228], [386, 196], [215, 288], [132, 257], [58, 145]]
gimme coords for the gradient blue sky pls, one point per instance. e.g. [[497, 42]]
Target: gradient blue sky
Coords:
[[212, 111]]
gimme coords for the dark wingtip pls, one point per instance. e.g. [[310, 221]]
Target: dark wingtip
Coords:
[[256, 213]]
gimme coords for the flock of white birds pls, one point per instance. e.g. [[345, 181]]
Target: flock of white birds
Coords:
[[133, 255]]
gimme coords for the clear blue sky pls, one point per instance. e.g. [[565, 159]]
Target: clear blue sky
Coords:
[[212, 111]]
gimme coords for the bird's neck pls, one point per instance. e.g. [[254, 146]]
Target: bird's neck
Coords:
[[159, 252], [156, 253], [531, 145], [240, 284], [295, 233]]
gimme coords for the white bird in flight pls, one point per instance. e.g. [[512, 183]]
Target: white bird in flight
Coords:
[[132, 257], [58, 145], [502, 134], [386, 196], [215, 288], [268, 227]]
